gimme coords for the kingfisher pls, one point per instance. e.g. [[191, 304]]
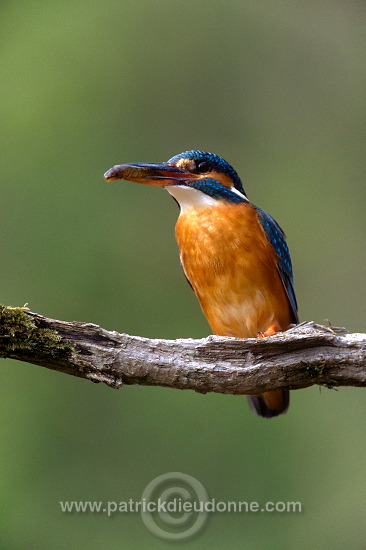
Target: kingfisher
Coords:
[[233, 254]]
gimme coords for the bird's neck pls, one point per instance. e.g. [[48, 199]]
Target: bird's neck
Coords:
[[189, 198]]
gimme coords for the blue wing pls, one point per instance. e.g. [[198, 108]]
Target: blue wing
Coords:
[[277, 239]]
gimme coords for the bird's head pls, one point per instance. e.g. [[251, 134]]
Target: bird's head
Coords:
[[192, 178]]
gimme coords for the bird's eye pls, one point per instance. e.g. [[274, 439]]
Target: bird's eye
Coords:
[[202, 167]]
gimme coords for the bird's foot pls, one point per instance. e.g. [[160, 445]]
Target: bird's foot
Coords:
[[269, 332]]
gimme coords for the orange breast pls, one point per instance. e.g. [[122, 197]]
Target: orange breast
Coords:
[[232, 268]]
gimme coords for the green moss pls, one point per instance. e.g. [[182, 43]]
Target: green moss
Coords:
[[21, 333], [314, 370]]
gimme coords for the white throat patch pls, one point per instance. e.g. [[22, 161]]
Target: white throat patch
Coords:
[[189, 197]]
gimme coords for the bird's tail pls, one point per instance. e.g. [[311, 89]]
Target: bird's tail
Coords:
[[270, 404]]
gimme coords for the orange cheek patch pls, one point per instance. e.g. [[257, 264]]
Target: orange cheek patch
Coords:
[[221, 178], [189, 165]]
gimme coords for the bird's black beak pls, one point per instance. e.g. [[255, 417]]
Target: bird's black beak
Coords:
[[158, 174]]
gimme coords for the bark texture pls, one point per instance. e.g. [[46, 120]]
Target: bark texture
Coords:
[[304, 355]]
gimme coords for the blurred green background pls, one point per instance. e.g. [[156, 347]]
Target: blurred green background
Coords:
[[278, 90]]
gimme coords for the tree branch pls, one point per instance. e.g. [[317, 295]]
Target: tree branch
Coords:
[[304, 355]]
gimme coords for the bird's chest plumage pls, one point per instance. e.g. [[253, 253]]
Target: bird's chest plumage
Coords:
[[232, 268]]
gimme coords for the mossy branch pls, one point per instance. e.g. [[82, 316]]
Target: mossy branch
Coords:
[[304, 355]]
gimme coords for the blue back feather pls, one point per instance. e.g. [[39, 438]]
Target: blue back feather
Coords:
[[277, 239]]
